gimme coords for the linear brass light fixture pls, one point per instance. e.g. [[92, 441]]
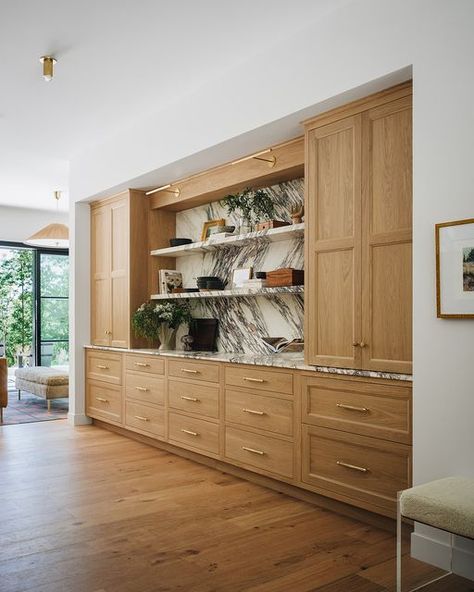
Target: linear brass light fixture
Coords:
[[166, 189], [48, 67], [258, 156]]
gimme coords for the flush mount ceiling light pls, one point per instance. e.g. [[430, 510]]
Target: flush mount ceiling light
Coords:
[[54, 235], [48, 67]]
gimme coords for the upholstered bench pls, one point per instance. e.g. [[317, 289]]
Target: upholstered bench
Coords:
[[48, 383], [446, 504]]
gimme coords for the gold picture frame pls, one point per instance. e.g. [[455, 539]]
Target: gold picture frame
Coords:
[[454, 274], [209, 224]]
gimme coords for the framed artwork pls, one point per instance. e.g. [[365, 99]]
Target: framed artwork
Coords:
[[208, 224], [170, 279], [455, 269], [240, 275]]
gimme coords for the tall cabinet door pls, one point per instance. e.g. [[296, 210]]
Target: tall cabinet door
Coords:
[[101, 326], [333, 244], [387, 237], [119, 272]]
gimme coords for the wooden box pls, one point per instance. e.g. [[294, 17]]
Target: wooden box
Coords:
[[271, 224], [285, 277]]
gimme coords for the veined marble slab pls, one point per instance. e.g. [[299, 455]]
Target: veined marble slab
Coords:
[[232, 293]]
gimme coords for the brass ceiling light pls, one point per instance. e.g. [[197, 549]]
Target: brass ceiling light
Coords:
[[48, 67], [54, 235]]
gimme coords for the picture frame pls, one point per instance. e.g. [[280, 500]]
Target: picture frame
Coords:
[[169, 280], [239, 276], [455, 269], [208, 224]]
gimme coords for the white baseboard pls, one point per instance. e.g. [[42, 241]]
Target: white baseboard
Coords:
[[438, 553], [77, 419]]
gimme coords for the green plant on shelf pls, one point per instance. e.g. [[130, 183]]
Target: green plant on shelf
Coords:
[[252, 205]]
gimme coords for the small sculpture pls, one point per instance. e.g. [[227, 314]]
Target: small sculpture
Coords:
[[297, 214], [187, 341]]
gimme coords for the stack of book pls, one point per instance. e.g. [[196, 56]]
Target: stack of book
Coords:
[[254, 283]]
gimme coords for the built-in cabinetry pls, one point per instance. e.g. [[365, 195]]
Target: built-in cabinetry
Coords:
[[358, 176]]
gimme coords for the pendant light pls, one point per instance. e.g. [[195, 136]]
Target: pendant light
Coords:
[[54, 235]]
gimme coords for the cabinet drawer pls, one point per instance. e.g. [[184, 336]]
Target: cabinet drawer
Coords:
[[104, 402], [104, 366], [362, 468], [145, 388], [258, 379], [195, 398], [382, 411], [196, 433], [148, 364], [195, 370], [259, 411], [146, 418], [259, 452]]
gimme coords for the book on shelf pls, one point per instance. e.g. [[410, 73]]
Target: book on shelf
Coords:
[[170, 279], [281, 344]]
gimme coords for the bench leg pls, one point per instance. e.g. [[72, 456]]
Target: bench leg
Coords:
[[399, 545], [49, 405], [1, 414], [19, 394]]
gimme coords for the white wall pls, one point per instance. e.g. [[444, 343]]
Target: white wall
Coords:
[[364, 41], [17, 224]]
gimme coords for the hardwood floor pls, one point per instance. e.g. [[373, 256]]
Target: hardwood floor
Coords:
[[87, 510]]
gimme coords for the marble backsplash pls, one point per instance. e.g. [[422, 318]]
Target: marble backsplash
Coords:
[[244, 320]]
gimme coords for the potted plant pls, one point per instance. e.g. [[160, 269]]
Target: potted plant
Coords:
[[251, 205], [162, 319]]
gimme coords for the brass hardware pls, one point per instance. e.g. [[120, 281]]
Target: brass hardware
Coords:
[[258, 156], [108, 332], [48, 67], [102, 367], [102, 400], [363, 344], [253, 412], [352, 408], [189, 371], [141, 418], [193, 399], [352, 467], [189, 432], [142, 364], [248, 379], [142, 389], [166, 189], [253, 450]]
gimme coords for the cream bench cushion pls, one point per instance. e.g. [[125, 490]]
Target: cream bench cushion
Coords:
[[48, 383], [447, 504]]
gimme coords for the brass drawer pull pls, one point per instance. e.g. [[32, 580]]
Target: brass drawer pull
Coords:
[[142, 389], [352, 467], [253, 412], [189, 432], [142, 364], [253, 450], [248, 379], [102, 367], [193, 399], [352, 408], [102, 400], [141, 418], [189, 371]]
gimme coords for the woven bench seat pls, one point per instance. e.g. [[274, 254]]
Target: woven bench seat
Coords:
[[48, 383]]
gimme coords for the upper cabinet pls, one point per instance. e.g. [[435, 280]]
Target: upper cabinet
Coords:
[[119, 271], [358, 301]]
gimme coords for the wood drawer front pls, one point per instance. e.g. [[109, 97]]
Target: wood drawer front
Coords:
[[382, 411], [146, 418], [104, 402], [103, 366], [148, 364], [197, 433], [145, 388], [363, 468], [255, 451], [194, 370], [194, 398], [258, 379], [259, 411]]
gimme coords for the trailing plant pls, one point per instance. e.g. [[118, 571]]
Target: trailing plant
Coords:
[[252, 205], [150, 316]]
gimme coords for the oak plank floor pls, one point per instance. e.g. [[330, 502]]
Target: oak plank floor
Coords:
[[87, 510]]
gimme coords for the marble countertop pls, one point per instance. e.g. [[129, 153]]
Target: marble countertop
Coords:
[[278, 360]]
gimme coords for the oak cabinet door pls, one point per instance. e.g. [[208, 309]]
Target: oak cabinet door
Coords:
[[100, 276], [387, 237], [119, 257], [333, 244]]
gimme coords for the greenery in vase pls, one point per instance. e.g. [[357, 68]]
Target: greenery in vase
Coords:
[[148, 318], [252, 205]]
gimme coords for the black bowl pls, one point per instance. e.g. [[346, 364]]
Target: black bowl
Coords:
[[178, 242]]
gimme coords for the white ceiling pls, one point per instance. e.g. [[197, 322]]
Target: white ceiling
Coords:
[[118, 60]]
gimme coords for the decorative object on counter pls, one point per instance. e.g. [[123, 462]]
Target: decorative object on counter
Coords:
[[178, 242], [204, 334], [169, 280], [455, 269], [221, 231], [297, 214], [285, 277], [208, 225], [261, 275], [187, 341], [209, 282], [271, 224], [280, 344], [239, 276], [162, 320], [251, 205]]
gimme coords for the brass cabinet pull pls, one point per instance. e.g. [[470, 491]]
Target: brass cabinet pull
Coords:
[[355, 344], [102, 367], [189, 432], [253, 450], [352, 467], [189, 371], [141, 418], [352, 408], [253, 412], [193, 399], [363, 344], [248, 379], [108, 332], [102, 400], [142, 389], [359, 344], [142, 364]]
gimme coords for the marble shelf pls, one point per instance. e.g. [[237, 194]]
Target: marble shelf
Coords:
[[272, 235], [233, 293]]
